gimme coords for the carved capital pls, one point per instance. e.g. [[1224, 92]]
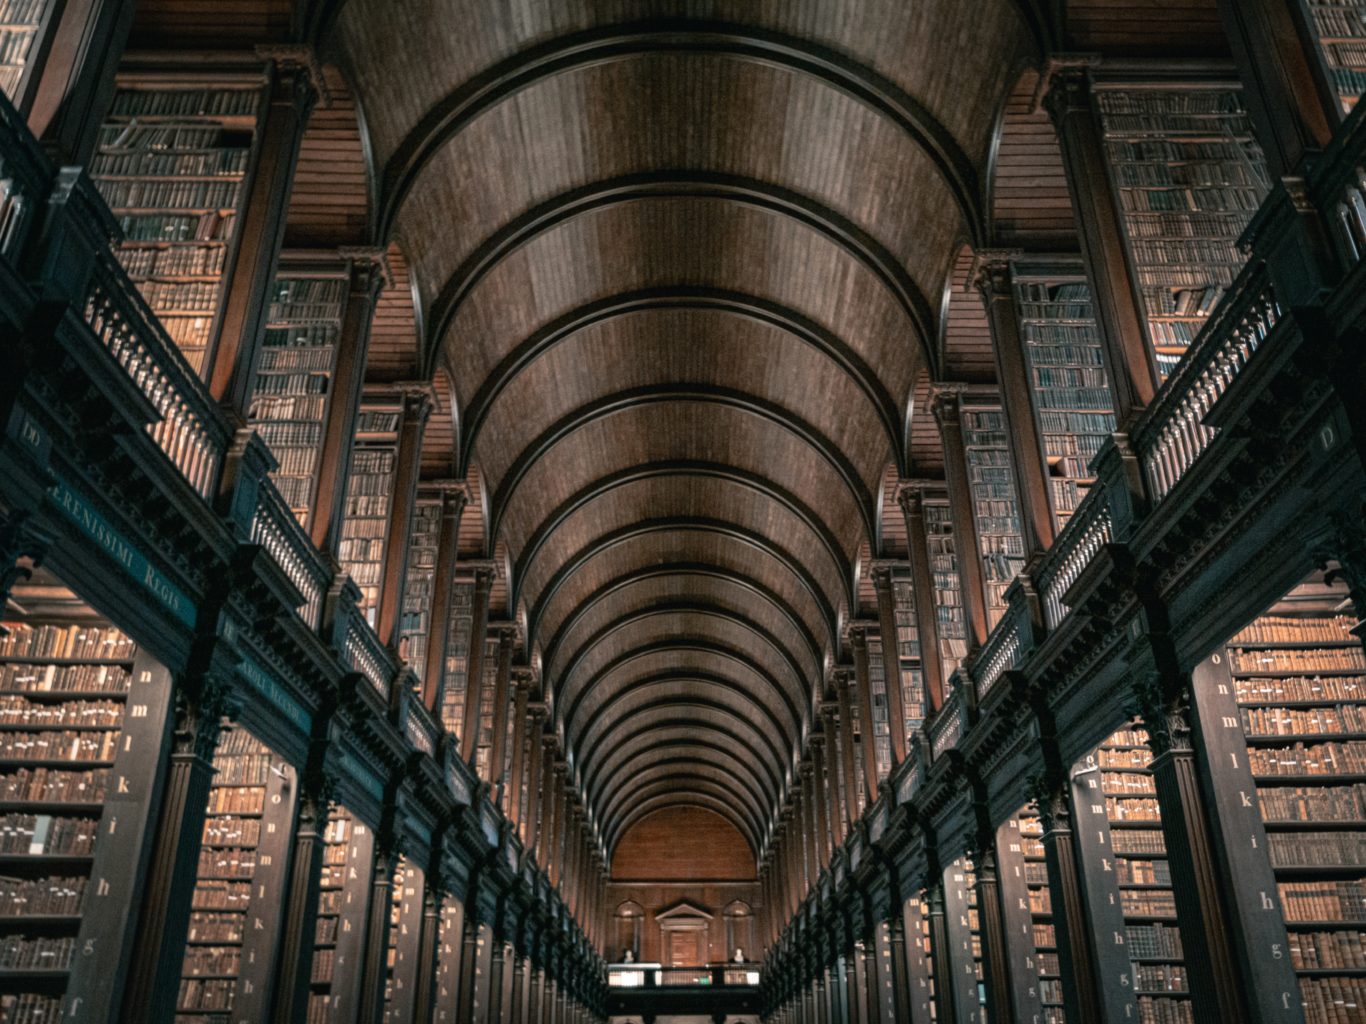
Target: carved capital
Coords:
[[991, 273], [1065, 85], [1165, 715], [23, 546], [1340, 551], [946, 399], [1050, 801], [370, 267], [303, 62], [911, 500], [881, 573]]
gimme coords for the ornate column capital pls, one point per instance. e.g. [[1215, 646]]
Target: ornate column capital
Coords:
[[302, 59], [1065, 84], [369, 264]]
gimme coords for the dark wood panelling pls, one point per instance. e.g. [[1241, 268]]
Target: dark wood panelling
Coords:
[[680, 844], [1031, 206], [1156, 28], [210, 24]]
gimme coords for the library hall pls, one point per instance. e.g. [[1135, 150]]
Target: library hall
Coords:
[[682, 512]]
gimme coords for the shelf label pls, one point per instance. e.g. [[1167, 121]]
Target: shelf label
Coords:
[[279, 697], [91, 523], [369, 781]]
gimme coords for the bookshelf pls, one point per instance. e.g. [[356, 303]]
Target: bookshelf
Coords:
[[405, 930], [920, 956], [294, 379], [908, 651], [22, 25], [965, 942], [995, 511], [67, 680], [1072, 397], [457, 657], [1339, 29], [877, 687], [171, 162], [369, 491], [1027, 910], [419, 584], [1188, 176], [948, 600], [1298, 675], [485, 748], [1143, 878], [228, 951], [343, 899]]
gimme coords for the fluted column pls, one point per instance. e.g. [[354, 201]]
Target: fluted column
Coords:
[[453, 501], [1027, 460], [891, 659], [844, 679], [498, 744], [912, 504], [417, 407], [474, 675], [867, 736], [1128, 361]]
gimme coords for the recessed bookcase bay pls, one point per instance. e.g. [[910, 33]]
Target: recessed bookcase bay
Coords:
[[172, 160]]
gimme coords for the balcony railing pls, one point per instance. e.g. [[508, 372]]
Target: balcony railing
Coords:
[[1172, 433], [653, 975], [366, 655], [276, 529], [1086, 533], [25, 176]]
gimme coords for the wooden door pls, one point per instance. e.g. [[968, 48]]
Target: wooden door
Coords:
[[685, 948]]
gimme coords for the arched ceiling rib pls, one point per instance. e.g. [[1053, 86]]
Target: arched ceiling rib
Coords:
[[680, 260]]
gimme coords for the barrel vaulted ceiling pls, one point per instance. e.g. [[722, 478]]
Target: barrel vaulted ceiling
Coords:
[[683, 263]]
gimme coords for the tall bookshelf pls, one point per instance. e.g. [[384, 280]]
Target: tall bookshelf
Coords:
[[877, 686], [963, 925], [23, 23], [457, 657], [293, 382], [997, 514], [1143, 878], [1339, 29], [419, 584], [1027, 910], [1072, 397], [920, 956], [486, 696], [171, 163], [948, 598], [369, 493], [908, 652], [1189, 175], [1298, 675], [339, 937], [228, 958], [405, 928], [67, 679]]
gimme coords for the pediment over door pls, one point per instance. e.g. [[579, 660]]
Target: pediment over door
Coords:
[[684, 915]]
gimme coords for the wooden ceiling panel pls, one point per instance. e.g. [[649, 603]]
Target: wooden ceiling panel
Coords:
[[1031, 204], [1153, 28], [695, 351], [809, 146], [210, 24], [927, 450], [663, 551], [683, 590], [757, 259], [329, 203], [393, 352], [967, 335]]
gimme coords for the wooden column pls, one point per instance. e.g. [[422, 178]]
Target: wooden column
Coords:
[[517, 1004], [374, 968], [469, 959], [1128, 361], [454, 497], [912, 502], [991, 928], [833, 768], [1293, 104], [535, 755], [1217, 991], [940, 958], [844, 677], [76, 78], [1027, 458], [897, 969], [498, 748], [493, 1012], [547, 820], [159, 950], [416, 408], [290, 95], [301, 909], [1086, 923], [1017, 922], [867, 738], [891, 659], [429, 949], [946, 401], [474, 676], [512, 802], [825, 819], [872, 990], [369, 271]]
